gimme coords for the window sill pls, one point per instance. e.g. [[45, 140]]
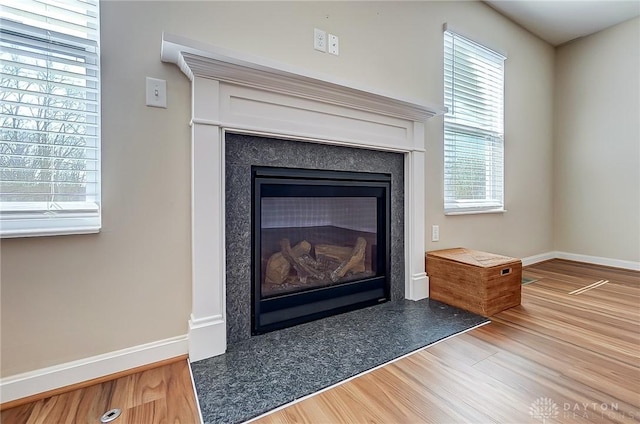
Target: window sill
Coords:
[[49, 232], [89, 223], [463, 212]]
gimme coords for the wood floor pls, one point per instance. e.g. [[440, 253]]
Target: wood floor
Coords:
[[569, 353], [162, 395], [558, 357]]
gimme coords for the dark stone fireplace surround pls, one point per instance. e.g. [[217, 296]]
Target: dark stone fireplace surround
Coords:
[[241, 152]]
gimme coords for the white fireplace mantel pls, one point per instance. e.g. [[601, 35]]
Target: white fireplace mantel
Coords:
[[232, 91]]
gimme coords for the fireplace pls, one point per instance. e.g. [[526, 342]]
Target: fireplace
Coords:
[[236, 92], [286, 161], [321, 244]]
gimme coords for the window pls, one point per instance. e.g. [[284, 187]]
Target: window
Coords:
[[473, 127], [50, 117]]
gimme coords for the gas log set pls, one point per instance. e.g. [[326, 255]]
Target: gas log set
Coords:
[[296, 266]]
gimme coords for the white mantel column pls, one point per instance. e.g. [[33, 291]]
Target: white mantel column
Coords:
[[207, 326], [417, 282]]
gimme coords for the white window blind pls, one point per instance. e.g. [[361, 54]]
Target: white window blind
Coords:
[[50, 117], [473, 126]]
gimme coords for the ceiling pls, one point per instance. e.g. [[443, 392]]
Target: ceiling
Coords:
[[561, 21]]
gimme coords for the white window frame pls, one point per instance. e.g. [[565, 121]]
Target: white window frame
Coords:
[[46, 218], [477, 113]]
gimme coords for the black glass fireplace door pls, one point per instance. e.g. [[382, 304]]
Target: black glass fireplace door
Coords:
[[320, 244]]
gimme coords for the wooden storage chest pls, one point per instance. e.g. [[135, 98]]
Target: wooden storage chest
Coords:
[[476, 281]]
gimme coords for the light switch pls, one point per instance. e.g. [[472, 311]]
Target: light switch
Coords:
[[435, 233], [156, 92], [333, 46]]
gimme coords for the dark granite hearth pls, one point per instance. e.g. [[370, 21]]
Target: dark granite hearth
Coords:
[[264, 372]]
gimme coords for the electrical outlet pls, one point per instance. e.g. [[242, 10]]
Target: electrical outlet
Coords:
[[319, 40], [435, 233], [333, 47]]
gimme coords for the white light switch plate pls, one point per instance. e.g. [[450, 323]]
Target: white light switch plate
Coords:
[[156, 92], [334, 46], [435, 233]]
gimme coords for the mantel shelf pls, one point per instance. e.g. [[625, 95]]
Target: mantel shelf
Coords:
[[199, 59]]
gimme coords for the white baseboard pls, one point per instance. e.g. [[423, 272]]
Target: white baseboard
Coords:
[[596, 260], [45, 379], [530, 260]]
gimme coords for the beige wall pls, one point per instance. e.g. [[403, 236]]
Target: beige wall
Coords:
[[526, 228], [597, 144], [66, 298]]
